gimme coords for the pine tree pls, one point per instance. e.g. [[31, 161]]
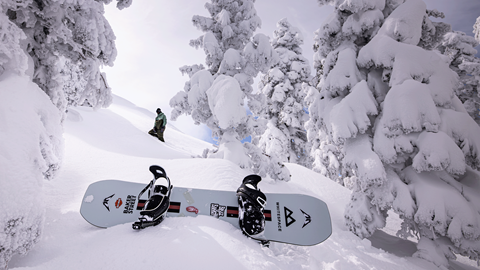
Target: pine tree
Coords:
[[406, 144], [31, 145], [337, 42], [230, 26], [69, 35], [459, 48], [476, 29], [59, 45], [232, 52], [285, 137]]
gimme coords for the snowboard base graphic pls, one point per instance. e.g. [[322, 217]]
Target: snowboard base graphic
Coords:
[[289, 218]]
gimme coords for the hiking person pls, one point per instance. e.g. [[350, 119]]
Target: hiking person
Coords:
[[159, 126]]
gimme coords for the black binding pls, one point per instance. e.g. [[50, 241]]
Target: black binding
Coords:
[[158, 199]]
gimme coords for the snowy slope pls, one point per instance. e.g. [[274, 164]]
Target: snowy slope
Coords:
[[113, 144]]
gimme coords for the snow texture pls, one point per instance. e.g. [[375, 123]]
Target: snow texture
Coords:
[[89, 199], [225, 99], [93, 154], [351, 115], [31, 152]]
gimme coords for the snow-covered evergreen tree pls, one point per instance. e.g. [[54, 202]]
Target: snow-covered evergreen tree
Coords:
[[68, 35], [459, 48], [285, 137], [476, 29], [401, 138], [351, 26], [31, 145], [50, 54], [234, 56], [230, 26]]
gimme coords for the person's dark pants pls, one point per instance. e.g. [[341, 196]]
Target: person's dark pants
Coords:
[[158, 132]]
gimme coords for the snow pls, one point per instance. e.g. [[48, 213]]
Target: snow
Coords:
[[30, 151], [410, 62], [476, 29], [431, 157], [199, 84], [404, 23], [350, 116], [360, 22], [360, 156], [465, 132], [88, 199], [225, 99], [457, 211], [113, 144], [345, 73], [355, 6], [404, 114]]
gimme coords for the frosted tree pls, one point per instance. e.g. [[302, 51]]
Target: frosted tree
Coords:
[[31, 145], [460, 50], [459, 47], [407, 143], [476, 29], [285, 137], [351, 26], [50, 53], [65, 37], [232, 52], [230, 26]]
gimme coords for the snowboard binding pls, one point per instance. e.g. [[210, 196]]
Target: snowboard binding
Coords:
[[251, 205], [158, 201]]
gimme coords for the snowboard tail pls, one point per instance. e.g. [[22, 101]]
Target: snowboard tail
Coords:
[[289, 218]]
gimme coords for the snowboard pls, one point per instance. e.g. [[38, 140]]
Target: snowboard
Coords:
[[289, 218]]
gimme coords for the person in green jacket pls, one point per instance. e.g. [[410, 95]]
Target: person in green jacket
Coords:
[[159, 127]]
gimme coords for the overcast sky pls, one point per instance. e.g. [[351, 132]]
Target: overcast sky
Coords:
[[153, 36]]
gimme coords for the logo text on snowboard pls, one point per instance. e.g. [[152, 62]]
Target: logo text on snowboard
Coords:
[[192, 209], [289, 220], [279, 218], [129, 204], [118, 203], [217, 210], [308, 219], [106, 200]]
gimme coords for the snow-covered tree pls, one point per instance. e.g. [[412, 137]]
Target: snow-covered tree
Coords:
[[65, 37], [351, 26], [406, 142], [230, 26], [459, 48], [285, 136], [31, 145], [476, 29], [50, 53], [234, 56]]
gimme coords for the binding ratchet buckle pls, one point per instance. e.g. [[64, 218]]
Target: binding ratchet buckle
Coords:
[[261, 201]]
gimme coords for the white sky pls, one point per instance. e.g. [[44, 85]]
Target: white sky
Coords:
[[153, 37]]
